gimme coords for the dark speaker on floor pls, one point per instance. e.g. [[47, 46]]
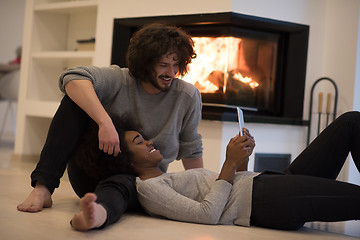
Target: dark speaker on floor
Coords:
[[275, 162]]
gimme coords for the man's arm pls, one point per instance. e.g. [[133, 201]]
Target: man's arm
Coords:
[[190, 163], [83, 94]]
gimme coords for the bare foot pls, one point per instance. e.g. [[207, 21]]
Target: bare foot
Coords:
[[38, 199], [92, 214]]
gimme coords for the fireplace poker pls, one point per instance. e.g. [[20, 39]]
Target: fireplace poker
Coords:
[[328, 108], [319, 111]]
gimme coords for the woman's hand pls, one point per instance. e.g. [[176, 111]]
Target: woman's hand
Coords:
[[238, 151], [108, 138], [251, 138]]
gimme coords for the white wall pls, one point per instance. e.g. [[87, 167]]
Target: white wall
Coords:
[[340, 45], [11, 29], [353, 172], [110, 9]]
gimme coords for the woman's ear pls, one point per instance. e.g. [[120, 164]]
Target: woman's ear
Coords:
[[134, 165], [135, 169]]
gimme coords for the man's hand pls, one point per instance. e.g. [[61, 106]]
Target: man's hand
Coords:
[[109, 139], [82, 92]]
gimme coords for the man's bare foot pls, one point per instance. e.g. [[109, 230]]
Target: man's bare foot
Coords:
[[38, 199], [92, 214]]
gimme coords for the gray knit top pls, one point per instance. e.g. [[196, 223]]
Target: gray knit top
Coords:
[[170, 119], [196, 196]]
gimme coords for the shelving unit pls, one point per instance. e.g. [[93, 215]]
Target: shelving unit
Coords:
[[51, 31]]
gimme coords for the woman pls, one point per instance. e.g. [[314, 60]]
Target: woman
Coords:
[[306, 191]]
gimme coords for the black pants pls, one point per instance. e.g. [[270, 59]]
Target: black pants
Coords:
[[66, 129], [307, 190]]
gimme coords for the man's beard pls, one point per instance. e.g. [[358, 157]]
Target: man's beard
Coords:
[[156, 84]]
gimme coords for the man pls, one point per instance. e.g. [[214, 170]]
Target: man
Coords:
[[167, 110]]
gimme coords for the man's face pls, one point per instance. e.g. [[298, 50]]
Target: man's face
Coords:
[[166, 69]]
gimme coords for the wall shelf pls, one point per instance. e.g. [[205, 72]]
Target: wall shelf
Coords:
[[41, 108], [67, 7], [51, 31], [63, 55]]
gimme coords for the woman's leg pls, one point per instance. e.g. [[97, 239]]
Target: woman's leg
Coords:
[[65, 130], [91, 215], [326, 155], [288, 201], [117, 194], [113, 196]]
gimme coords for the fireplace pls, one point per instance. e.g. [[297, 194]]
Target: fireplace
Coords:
[[256, 63]]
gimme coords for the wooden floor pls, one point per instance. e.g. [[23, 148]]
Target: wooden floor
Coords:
[[53, 223]]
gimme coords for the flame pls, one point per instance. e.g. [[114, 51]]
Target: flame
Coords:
[[206, 86], [246, 80], [215, 55]]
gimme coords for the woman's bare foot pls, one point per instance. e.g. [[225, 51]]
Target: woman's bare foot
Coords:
[[92, 214], [38, 199]]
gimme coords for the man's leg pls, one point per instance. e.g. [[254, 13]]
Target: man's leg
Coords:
[[65, 130]]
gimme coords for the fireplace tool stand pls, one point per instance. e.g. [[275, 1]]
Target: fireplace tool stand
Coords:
[[320, 112]]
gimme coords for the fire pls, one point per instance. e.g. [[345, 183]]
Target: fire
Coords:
[[216, 58], [246, 80]]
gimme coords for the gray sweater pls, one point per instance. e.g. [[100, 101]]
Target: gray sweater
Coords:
[[170, 119], [195, 196]]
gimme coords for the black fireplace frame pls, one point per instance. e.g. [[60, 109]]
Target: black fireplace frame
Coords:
[[292, 60]]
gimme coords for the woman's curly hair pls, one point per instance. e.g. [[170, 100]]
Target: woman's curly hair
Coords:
[[98, 164], [151, 42]]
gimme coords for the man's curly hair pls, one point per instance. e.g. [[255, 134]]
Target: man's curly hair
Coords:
[[151, 42], [95, 162]]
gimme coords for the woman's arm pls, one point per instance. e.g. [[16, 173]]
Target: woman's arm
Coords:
[[160, 199], [83, 94]]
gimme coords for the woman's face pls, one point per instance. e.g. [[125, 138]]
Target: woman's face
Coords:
[[143, 151]]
